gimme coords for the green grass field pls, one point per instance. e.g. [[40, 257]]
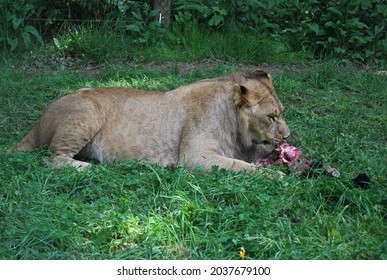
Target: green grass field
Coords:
[[134, 210]]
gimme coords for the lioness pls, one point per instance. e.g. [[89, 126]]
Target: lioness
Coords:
[[224, 121]]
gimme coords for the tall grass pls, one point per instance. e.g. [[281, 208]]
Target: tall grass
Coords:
[[186, 41]]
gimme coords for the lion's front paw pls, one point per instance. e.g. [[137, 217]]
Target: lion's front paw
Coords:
[[81, 165], [270, 174]]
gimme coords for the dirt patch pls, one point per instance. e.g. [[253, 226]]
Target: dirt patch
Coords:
[[186, 69], [180, 68], [69, 62]]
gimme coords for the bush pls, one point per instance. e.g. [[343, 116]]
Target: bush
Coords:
[[347, 29], [350, 29], [15, 32], [144, 29]]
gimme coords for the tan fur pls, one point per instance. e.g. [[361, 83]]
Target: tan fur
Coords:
[[226, 122]]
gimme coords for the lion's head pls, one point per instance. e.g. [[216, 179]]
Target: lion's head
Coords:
[[260, 111]]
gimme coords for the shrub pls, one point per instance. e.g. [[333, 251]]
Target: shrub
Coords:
[[347, 29], [15, 31], [144, 28], [350, 29]]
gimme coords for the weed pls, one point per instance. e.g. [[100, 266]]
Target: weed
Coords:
[[16, 33]]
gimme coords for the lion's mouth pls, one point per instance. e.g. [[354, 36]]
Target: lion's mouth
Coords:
[[265, 142]]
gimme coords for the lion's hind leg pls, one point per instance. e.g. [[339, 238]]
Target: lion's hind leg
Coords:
[[68, 140], [60, 161]]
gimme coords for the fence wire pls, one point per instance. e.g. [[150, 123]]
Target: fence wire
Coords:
[[163, 17]]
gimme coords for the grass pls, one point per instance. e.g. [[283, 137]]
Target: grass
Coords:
[[134, 210], [186, 42]]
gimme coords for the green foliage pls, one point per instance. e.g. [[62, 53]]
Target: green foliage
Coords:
[[185, 41], [211, 13], [348, 29], [186, 34], [15, 31], [85, 43], [352, 30], [113, 12], [198, 43], [145, 29]]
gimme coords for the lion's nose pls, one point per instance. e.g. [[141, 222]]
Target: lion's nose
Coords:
[[284, 130], [286, 133]]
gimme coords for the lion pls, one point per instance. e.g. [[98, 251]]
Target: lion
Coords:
[[224, 122]]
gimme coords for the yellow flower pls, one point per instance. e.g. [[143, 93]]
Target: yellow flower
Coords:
[[242, 253]]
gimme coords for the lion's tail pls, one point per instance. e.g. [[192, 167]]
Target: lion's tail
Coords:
[[28, 143]]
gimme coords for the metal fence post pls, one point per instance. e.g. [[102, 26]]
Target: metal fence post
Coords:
[[164, 8]]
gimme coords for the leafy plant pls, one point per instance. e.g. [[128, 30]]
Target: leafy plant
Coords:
[[145, 29], [213, 13], [15, 32], [348, 29], [88, 44], [217, 16], [344, 29]]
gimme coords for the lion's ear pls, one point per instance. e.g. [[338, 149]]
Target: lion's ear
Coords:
[[243, 95], [258, 73], [243, 90]]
